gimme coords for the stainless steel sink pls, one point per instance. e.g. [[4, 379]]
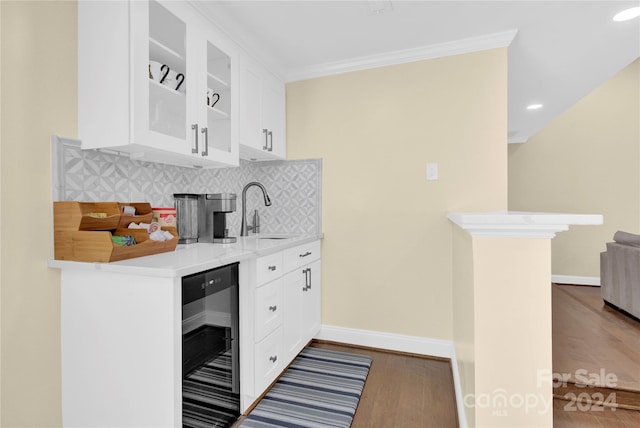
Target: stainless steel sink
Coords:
[[275, 236]]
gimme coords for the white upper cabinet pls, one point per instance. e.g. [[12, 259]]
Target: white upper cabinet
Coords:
[[262, 113], [157, 81]]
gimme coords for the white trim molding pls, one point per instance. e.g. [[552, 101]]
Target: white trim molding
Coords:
[[456, 47], [517, 224], [390, 341], [576, 280], [401, 343]]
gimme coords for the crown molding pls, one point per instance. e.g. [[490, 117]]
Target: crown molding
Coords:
[[456, 47]]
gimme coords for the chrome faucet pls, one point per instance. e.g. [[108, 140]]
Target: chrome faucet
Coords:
[[244, 230]]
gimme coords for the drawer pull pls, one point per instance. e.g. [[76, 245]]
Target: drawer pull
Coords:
[[308, 253], [273, 308], [273, 358], [272, 268]]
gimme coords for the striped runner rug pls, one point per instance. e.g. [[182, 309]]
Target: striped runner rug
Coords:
[[320, 389]]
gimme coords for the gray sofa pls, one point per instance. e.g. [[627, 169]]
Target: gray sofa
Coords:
[[620, 273]]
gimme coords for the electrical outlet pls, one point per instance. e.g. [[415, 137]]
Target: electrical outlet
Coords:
[[432, 171]]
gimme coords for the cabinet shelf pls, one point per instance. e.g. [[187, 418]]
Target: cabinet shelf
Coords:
[[164, 52], [218, 81], [166, 88], [218, 114]]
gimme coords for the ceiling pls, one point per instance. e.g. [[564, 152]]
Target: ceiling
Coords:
[[558, 51]]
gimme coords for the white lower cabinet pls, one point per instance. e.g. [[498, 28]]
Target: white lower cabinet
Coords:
[[302, 303], [268, 309], [268, 359], [286, 310], [107, 308]]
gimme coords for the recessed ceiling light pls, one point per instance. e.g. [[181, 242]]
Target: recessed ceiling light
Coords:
[[627, 14], [534, 106]]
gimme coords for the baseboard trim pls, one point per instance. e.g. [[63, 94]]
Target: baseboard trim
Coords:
[[577, 280], [394, 342], [400, 343]]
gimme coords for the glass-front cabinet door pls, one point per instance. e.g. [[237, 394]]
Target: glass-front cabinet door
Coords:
[[183, 86], [158, 81], [217, 100], [159, 77], [167, 73]]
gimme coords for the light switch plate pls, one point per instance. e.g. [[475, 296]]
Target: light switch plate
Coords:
[[432, 171]]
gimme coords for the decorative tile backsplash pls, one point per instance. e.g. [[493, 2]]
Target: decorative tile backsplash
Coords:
[[295, 187]]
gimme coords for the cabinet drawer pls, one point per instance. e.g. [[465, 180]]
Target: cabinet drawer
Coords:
[[268, 360], [301, 255], [268, 309], [268, 268]]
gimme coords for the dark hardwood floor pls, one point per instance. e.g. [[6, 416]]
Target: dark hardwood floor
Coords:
[[404, 391], [592, 337], [593, 417]]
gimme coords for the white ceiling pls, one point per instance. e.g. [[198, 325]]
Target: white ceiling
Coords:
[[561, 51]]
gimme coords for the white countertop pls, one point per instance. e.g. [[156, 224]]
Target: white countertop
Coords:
[[193, 258], [520, 224]]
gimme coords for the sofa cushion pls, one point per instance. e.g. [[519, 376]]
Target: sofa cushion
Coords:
[[627, 238]]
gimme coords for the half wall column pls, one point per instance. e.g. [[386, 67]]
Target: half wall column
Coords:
[[502, 314]]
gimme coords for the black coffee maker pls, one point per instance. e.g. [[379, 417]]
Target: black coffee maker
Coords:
[[212, 217]]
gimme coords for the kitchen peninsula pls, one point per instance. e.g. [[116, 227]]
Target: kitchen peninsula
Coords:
[[122, 325]]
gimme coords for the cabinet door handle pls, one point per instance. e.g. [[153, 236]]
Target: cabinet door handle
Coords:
[[307, 278], [272, 268], [205, 131], [273, 358], [273, 308], [265, 131], [308, 253], [195, 126], [270, 134]]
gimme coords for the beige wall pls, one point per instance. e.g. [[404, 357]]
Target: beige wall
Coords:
[[38, 87], [463, 315], [387, 256], [585, 161], [512, 331], [502, 329]]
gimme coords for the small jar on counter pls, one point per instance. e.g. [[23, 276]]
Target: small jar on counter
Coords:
[[165, 216]]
